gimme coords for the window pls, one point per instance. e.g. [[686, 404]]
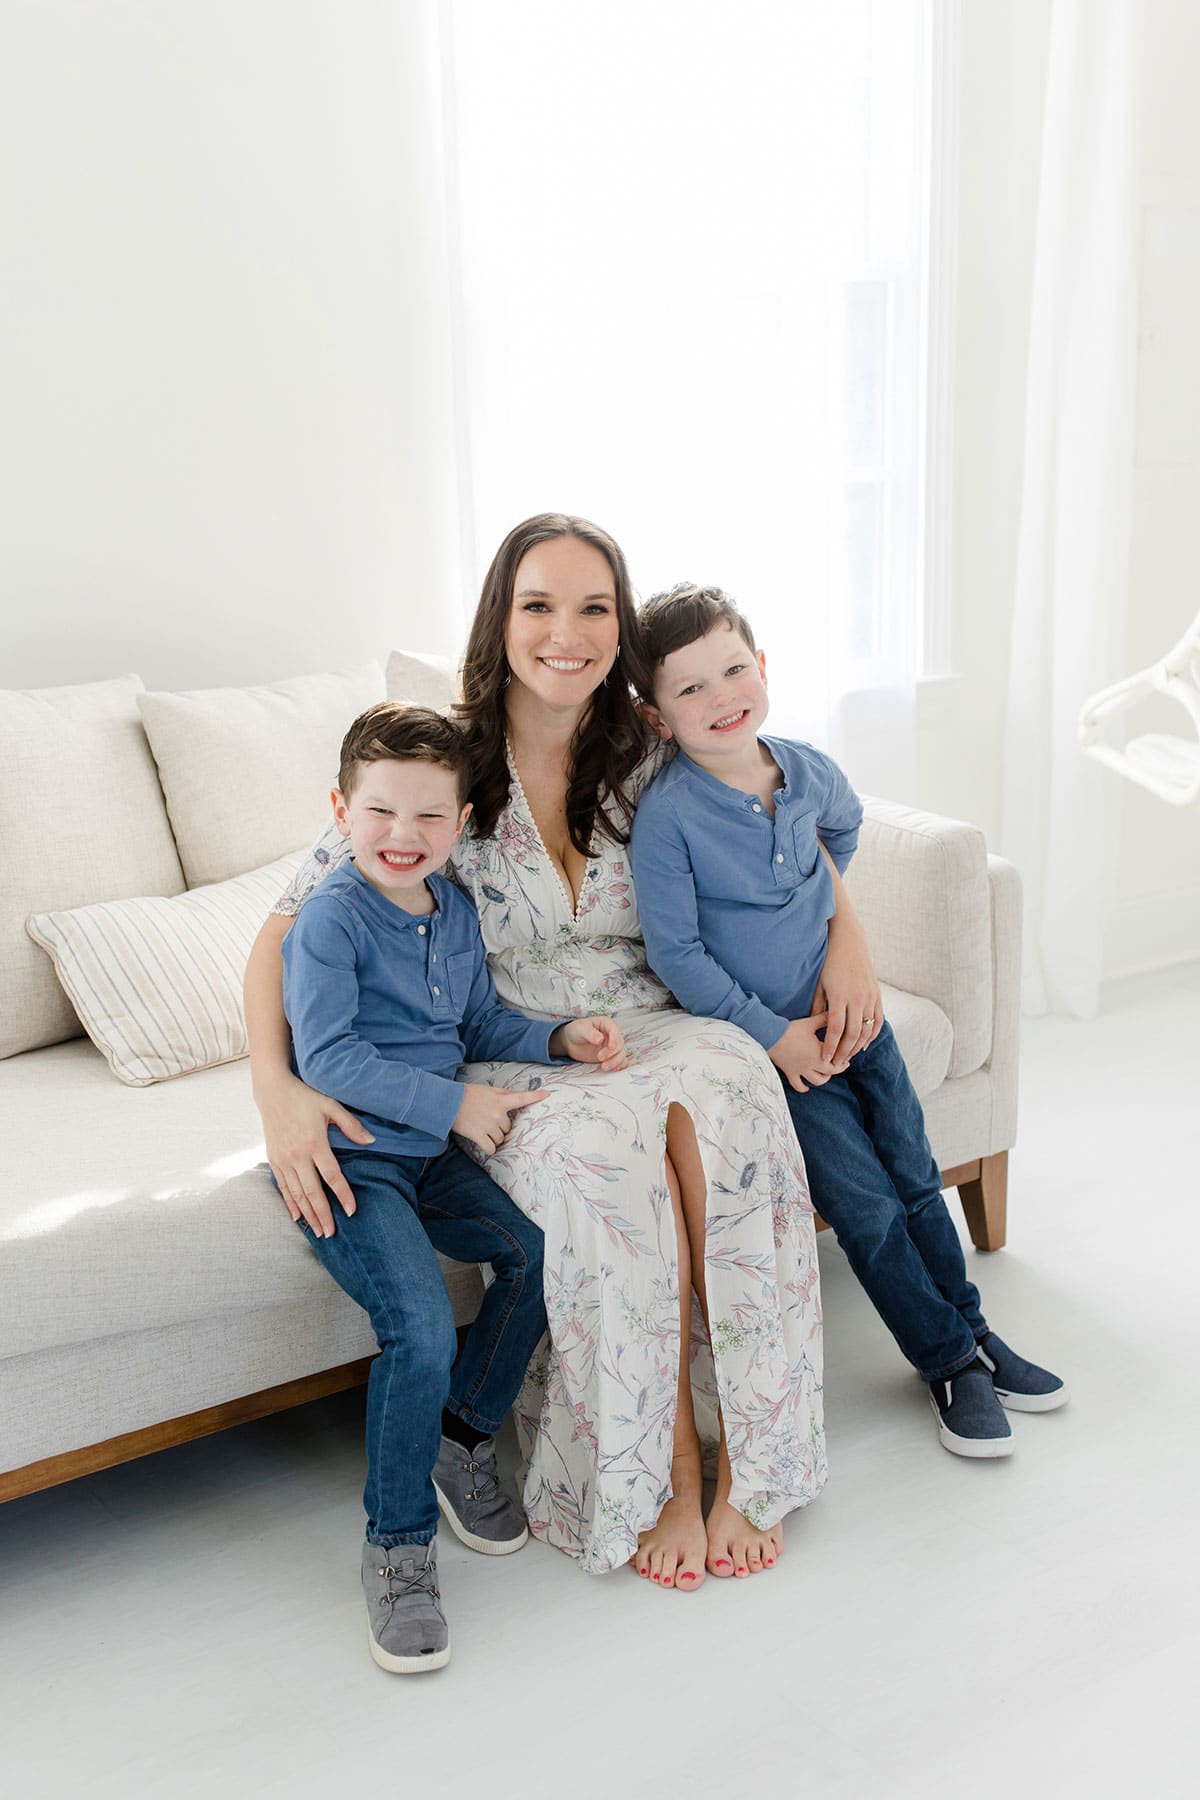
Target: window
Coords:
[[692, 253]]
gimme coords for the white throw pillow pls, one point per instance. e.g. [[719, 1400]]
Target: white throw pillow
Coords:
[[81, 819], [158, 983], [247, 771], [422, 680]]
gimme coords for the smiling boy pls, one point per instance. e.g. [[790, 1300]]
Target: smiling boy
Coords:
[[738, 848], [387, 990]]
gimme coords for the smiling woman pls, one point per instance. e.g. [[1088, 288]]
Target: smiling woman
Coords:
[[674, 1177], [563, 622]]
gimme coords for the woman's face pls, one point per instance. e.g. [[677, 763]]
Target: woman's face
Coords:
[[562, 633]]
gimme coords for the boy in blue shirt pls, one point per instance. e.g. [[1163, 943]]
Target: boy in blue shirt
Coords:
[[387, 990], [738, 849]]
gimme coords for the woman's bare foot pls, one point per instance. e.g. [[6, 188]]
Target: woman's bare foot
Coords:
[[672, 1552], [735, 1547]]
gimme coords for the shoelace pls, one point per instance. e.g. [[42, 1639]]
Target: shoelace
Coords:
[[421, 1578], [488, 1471]]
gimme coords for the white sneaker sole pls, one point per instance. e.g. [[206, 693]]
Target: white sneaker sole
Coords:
[[961, 1446], [485, 1546], [1031, 1402], [406, 1665]]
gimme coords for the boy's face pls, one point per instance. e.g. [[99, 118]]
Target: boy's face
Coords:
[[402, 819], [711, 696]]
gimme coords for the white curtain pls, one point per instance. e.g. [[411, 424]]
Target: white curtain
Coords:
[[689, 251], [1059, 809]]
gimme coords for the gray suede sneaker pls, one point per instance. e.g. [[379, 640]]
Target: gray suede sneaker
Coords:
[[405, 1621], [470, 1496]]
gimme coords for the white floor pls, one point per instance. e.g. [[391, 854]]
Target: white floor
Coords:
[[191, 1624]]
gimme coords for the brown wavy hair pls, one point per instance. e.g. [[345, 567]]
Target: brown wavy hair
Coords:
[[393, 732], [610, 739]]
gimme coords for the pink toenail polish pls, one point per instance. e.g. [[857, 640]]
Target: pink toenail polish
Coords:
[[741, 1571], [687, 1576], [666, 1581], [723, 1562], [654, 1578]]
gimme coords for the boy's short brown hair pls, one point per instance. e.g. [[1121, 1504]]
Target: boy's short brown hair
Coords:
[[673, 620], [394, 732]]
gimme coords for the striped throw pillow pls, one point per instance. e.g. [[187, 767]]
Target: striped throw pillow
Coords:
[[157, 983]]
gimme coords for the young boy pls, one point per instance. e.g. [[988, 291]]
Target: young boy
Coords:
[[734, 851], [387, 991]]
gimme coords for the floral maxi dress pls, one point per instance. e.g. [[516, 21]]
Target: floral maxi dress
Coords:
[[596, 1414]]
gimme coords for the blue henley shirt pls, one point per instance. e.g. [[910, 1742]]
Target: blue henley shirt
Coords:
[[735, 905], [385, 1005]]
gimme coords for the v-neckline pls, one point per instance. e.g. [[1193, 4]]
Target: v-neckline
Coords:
[[558, 871]]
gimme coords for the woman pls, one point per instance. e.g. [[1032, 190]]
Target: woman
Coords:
[[680, 1174]]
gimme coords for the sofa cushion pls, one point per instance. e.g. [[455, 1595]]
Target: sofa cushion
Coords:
[[247, 771], [924, 1035], [133, 1208], [81, 819], [158, 983], [422, 679]]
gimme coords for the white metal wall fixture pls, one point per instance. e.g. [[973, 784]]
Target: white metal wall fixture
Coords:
[[1167, 765]]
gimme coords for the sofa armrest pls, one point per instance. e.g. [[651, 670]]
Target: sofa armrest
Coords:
[[1004, 1056], [920, 884]]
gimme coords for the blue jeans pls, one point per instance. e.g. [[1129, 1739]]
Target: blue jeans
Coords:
[[873, 1177], [383, 1256]]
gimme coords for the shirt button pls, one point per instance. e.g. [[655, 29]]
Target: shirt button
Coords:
[[437, 990], [420, 931], [756, 807], [779, 858]]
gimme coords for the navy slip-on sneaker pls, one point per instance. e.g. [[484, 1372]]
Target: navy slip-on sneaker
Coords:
[[1020, 1386], [970, 1418]]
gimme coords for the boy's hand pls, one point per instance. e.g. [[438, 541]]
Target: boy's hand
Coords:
[[484, 1116], [800, 1054], [595, 1040]]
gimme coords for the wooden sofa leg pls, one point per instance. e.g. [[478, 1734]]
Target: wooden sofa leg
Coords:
[[985, 1202]]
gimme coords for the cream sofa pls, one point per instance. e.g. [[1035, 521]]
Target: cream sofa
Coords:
[[151, 1286]]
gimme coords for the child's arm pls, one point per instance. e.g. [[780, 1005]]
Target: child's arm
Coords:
[[666, 891], [493, 1032], [847, 992], [666, 898], [321, 996]]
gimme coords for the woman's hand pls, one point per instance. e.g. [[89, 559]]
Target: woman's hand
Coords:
[[296, 1123], [848, 991]]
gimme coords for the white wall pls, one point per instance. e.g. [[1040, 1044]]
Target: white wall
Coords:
[[224, 438]]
